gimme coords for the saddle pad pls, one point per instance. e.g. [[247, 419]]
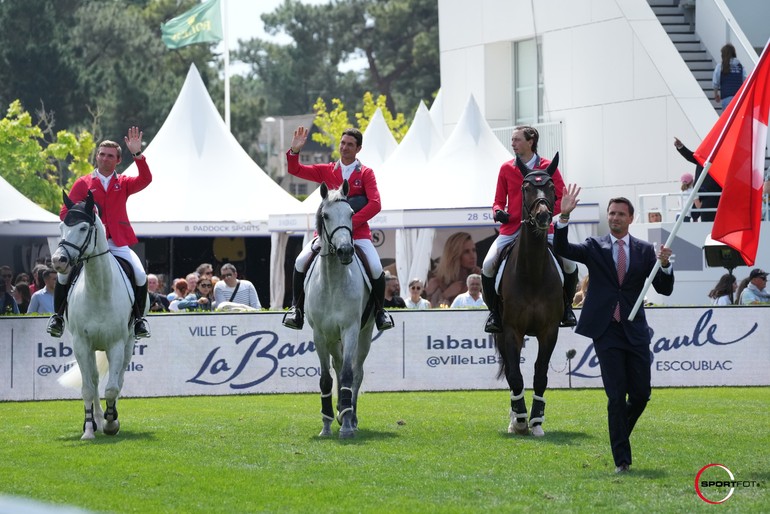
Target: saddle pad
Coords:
[[499, 276], [357, 262]]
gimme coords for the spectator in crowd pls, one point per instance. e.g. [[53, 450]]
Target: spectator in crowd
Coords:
[[42, 301], [158, 302], [654, 216], [580, 294], [21, 277], [231, 289], [686, 182], [8, 304], [458, 260], [756, 290], [37, 278], [178, 294], [472, 297], [507, 209], [393, 292], [728, 76], [192, 281], [202, 299], [22, 295], [415, 301], [741, 287], [205, 270], [6, 273], [709, 189], [723, 292]]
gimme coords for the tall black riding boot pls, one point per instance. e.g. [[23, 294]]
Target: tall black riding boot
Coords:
[[382, 319], [56, 322], [570, 284], [493, 325], [294, 318], [141, 328]]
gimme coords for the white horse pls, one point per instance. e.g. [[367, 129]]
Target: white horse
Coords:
[[339, 311], [98, 313]]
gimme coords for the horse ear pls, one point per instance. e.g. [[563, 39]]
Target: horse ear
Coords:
[[90, 202], [554, 164], [324, 190], [522, 167], [67, 202], [345, 187]]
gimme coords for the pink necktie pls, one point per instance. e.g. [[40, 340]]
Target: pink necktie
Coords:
[[621, 267]]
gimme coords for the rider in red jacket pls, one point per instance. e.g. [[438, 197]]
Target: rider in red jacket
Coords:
[[110, 192], [363, 187]]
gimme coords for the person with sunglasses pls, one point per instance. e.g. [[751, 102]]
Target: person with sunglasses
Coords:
[[202, 299], [231, 289], [415, 301]]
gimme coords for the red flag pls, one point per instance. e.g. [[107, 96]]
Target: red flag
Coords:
[[735, 146]]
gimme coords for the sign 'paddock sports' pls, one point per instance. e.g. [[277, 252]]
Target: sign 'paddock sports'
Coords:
[[216, 354]]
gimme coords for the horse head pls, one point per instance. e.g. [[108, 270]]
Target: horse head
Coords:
[[538, 194], [334, 222], [77, 233]]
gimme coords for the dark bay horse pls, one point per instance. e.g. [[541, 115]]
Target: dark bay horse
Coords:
[[531, 298]]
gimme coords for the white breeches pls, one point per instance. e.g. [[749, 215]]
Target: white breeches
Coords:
[[372, 257], [490, 261]]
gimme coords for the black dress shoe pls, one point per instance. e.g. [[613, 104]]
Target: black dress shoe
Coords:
[[568, 320], [623, 468], [294, 319]]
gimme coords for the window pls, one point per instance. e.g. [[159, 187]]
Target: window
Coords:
[[528, 82]]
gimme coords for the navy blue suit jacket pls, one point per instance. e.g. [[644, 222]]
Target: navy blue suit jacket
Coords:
[[604, 291]]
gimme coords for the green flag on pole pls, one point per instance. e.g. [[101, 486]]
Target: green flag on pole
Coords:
[[201, 24]]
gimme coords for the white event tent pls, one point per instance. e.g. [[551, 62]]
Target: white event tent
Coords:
[[194, 153]]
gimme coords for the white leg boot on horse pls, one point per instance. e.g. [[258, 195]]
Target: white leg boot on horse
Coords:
[[492, 325], [294, 318]]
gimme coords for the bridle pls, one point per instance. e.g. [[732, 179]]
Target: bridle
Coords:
[[539, 180], [327, 236], [79, 216]]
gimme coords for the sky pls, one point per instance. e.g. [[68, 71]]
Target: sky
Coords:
[[244, 22]]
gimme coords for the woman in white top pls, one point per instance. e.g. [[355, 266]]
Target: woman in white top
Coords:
[[723, 292], [414, 300]]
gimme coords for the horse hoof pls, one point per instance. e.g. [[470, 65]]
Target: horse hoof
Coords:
[[326, 432], [112, 427], [521, 428], [537, 431], [347, 434], [87, 436]]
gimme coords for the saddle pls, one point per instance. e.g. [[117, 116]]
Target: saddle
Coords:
[[124, 264], [502, 260]]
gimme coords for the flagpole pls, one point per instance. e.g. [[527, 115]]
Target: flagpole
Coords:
[[691, 199], [225, 21]]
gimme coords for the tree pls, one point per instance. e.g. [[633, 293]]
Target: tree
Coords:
[[30, 163], [332, 123]]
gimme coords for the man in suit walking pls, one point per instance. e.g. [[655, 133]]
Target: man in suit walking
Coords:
[[618, 265]]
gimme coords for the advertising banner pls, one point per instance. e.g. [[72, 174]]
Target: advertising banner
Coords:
[[441, 349]]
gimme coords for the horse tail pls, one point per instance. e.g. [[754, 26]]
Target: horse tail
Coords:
[[72, 378], [501, 360]]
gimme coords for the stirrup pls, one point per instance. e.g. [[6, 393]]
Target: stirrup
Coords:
[[55, 326], [141, 329], [569, 319], [383, 320], [492, 326], [293, 319]]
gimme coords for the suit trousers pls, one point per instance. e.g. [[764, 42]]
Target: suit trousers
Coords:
[[626, 378]]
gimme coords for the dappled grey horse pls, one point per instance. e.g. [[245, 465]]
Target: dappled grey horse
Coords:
[[339, 311]]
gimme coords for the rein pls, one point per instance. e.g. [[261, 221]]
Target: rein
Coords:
[[81, 249]]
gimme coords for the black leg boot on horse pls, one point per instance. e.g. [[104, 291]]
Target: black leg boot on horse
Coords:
[[493, 325], [570, 285], [382, 319], [56, 322], [294, 318], [141, 328]]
